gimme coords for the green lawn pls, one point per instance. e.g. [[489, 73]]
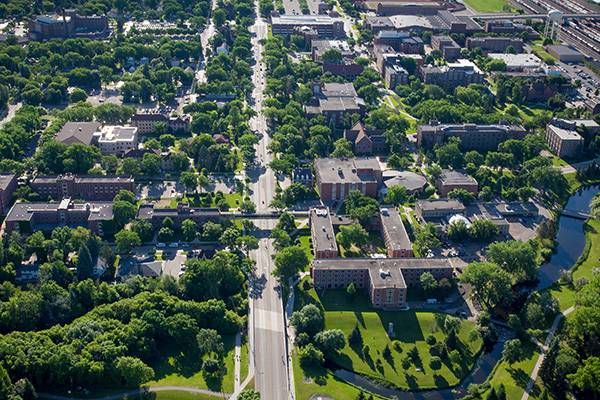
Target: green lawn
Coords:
[[410, 329], [174, 395], [244, 361], [233, 200], [515, 376], [184, 369], [538, 49], [486, 5], [566, 294], [312, 381], [304, 238]]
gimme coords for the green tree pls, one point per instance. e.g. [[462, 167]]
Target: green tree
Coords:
[[426, 238], [330, 341], [396, 195], [513, 351], [209, 341], [289, 261], [490, 283], [360, 207], [310, 356], [353, 234], [309, 319], [458, 231], [85, 264], [249, 394], [516, 257], [587, 376], [126, 240], [123, 212], [133, 371], [483, 230], [189, 229], [428, 283]]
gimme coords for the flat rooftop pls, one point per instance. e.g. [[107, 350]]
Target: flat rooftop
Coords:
[[323, 235], [304, 20], [441, 204], [384, 272], [393, 226], [347, 169], [453, 177], [5, 179], [565, 134]]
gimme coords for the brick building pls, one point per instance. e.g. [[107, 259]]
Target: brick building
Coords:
[[473, 137], [8, 185], [322, 234], [366, 141], [452, 75], [447, 46], [146, 120], [45, 27], [563, 139], [337, 177], [386, 280], [494, 44], [451, 179], [325, 25], [30, 217], [334, 101], [438, 208], [95, 188], [394, 233], [401, 42]]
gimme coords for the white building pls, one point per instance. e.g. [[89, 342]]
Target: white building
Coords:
[[117, 139]]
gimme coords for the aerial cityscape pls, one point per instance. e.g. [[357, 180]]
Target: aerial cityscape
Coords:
[[300, 199]]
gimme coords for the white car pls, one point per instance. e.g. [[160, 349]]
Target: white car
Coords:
[[161, 245], [175, 244]]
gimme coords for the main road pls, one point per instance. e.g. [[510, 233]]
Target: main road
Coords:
[[267, 339]]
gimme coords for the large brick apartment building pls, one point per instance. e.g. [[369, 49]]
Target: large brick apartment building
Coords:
[[322, 234], [472, 136], [85, 187], [386, 279], [394, 233], [337, 177], [47, 216]]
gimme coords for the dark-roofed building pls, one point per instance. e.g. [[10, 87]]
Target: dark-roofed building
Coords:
[[394, 233], [44, 27], [8, 184], [47, 216], [473, 137], [563, 139], [510, 27], [304, 176], [157, 215], [450, 76], [145, 120], [325, 25], [447, 46], [322, 234], [386, 280], [400, 41], [451, 179], [366, 141], [438, 208], [334, 101], [79, 132], [494, 44], [86, 187], [337, 177], [565, 53], [411, 181]]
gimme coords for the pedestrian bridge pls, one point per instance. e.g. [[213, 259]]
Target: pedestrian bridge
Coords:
[[575, 214]]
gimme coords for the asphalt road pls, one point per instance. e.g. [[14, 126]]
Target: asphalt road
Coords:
[[267, 325]]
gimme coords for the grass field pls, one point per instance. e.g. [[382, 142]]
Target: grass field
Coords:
[[515, 376], [410, 329], [538, 49], [184, 369], [486, 5], [233, 200], [566, 294], [304, 238], [174, 395]]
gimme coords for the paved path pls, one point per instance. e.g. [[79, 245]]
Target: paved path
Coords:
[[237, 362], [544, 348], [134, 392], [12, 110]]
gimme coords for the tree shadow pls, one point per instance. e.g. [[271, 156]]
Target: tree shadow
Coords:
[[520, 377], [440, 381], [411, 381]]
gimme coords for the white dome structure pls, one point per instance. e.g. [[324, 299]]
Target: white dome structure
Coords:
[[458, 217]]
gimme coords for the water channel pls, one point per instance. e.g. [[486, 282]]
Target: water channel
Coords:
[[570, 244]]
